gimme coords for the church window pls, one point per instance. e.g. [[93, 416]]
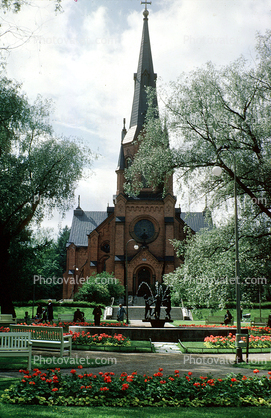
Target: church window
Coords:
[[105, 247]]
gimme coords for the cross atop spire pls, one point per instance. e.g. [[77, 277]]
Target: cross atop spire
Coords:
[[146, 12], [145, 2]]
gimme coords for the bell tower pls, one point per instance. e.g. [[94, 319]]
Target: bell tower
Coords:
[[147, 219]]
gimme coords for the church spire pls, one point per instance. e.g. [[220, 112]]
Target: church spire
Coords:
[[145, 77]]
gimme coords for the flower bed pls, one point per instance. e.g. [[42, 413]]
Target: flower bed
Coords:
[[263, 341], [4, 329], [91, 324], [252, 329], [105, 389], [81, 324], [207, 326], [86, 339]]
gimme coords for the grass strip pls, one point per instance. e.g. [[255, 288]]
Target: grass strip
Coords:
[[37, 411], [251, 365]]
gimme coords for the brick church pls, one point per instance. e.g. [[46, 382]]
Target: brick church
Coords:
[[104, 241]]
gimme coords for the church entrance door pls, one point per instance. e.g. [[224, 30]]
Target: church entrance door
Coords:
[[143, 275]]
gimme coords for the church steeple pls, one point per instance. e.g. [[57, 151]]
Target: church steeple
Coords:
[[145, 77]]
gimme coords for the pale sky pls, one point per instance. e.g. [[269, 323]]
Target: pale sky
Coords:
[[84, 60]]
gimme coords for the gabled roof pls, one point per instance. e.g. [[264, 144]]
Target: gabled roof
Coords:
[[196, 220], [145, 77], [83, 224]]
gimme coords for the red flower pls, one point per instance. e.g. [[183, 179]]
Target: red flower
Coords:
[[233, 379], [190, 373], [160, 369], [162, 381], [255, 371], [80, 366], [125, 386], [54, 389], [73, 371]]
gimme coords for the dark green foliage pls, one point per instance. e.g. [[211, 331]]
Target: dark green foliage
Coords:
[[38, 256], [38, 173], [100, 289]]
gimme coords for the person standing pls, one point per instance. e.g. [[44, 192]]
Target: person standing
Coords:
[[121, 312], [39, 311], [97, 312], [50, 315], [228, 318]]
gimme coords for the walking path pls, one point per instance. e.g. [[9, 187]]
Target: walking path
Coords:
[[148, 363], [167, 356]]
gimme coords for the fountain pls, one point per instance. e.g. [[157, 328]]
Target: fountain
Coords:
[[161, 298]]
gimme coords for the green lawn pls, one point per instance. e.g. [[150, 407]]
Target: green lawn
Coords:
[[199, 317], [7, 411], [20, 311], [255, 365]]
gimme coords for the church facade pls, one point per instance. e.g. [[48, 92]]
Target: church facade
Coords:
[[132, 238]]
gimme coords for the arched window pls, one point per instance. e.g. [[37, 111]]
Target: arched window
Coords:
[[128, 162]]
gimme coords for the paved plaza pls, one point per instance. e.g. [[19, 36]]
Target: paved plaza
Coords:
[[148, 363], [167, 355]]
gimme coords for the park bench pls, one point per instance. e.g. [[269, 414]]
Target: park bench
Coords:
[[7, 319], [216, 320], [16, 344], [258, 321], [108, 312], [47, 338]]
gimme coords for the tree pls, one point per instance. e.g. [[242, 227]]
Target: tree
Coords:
[[40, 262], [38, 172], [207, 276], [20, 34], [16, 5], [100, 288], [206, 110]]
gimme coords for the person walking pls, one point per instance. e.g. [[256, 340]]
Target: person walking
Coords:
[[121, 312]]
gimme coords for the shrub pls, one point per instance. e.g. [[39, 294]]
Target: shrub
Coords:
[[100, 288]]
